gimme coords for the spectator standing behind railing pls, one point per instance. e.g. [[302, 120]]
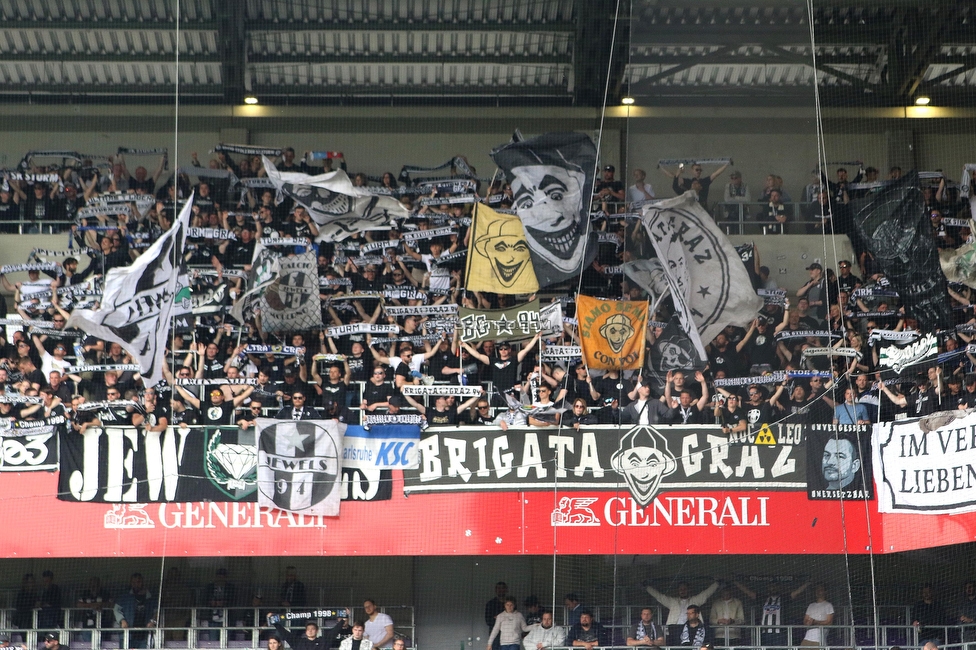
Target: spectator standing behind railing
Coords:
[[736, 192], [508, 628], [727, 612], [136, 608], [678, 605], [681, 185], [819, 613], [966, 611], [49, 602], [928, 616], [640, 190]]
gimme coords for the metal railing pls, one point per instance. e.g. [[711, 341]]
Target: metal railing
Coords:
[[236, 627], [748, 219]]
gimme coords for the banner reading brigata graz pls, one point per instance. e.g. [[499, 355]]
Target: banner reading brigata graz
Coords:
[[643, 459]]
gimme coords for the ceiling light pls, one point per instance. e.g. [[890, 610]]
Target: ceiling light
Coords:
[[251, 100], [627, 101], [922, 100]]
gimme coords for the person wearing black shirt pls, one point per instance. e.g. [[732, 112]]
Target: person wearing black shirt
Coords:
[[336, 387], [310, 640], [111, 414], [759, 344], [239, 253], [732, 417], [608, 188], [928, 617], [218, 410], [504, 369], [723, 356], [298, 410], [681, 185]]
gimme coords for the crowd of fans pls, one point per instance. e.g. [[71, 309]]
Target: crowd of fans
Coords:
[[347, 376]]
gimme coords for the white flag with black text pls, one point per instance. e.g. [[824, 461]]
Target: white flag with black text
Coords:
[[137, 301], [299, 466], [701, 264]]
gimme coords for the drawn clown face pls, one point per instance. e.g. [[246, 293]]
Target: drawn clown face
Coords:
[[617, 331], [506, 249], [643, 459], [548, 200]]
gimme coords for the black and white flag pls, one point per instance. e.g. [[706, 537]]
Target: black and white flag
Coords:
[[701, 265], [137, 301], [896, 229], [291, 302], [337, 207], [299, 466], [552, 180]]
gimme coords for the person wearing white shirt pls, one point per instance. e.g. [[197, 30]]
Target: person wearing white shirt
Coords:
[[544, 634], [819, 613], [641, 190], [726, 611], [379, 626]]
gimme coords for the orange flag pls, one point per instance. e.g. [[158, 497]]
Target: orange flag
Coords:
[[612, 332]]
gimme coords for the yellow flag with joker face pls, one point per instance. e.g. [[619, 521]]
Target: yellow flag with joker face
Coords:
[[612, 332], [498, 254]]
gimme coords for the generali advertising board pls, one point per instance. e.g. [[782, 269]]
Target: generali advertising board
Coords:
[[474, 491]]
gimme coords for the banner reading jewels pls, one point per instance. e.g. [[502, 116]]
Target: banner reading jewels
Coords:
[[926, 466], [645, 459]]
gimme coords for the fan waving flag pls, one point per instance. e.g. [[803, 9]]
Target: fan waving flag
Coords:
[[701, 265], [552, 182], [611, 332], [498, 257], [337, 207], [137, 301], [299, 468]]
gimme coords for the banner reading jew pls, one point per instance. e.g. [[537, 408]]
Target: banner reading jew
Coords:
[[644, 459], [926, 466], [129, 464], [514, 324], [498, 256], [299, 465], [552, 181], [612, 332]]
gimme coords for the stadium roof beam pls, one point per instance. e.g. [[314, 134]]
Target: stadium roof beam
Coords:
[[232, 44], [391, 58], [413, 26]]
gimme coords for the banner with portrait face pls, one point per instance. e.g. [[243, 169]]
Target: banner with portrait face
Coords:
[[611, 332], [839, 462], [552, 180], [498, 255]]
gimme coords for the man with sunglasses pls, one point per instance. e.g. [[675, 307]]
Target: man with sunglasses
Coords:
[[298, 410]]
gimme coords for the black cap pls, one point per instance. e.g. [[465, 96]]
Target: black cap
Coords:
[[815, 265], [609, 168], [50, 636]]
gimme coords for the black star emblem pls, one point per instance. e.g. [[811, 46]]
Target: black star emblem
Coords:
[[703, 291]]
